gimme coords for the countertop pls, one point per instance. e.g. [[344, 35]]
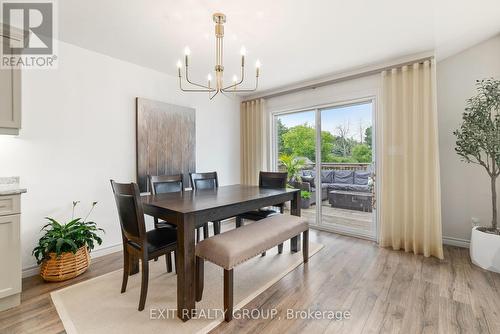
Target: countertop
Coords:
[[10, 186]]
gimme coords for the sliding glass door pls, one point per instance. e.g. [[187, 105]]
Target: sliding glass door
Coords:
[[332, 152], [295, 147], [347, 168]]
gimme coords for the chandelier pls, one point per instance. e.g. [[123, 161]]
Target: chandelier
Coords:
[[218, 85]]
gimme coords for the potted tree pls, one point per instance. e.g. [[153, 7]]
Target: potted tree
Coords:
[[293, 166], [478, 142], [63, 251]]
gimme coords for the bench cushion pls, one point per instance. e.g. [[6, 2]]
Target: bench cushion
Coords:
[[239, 245]]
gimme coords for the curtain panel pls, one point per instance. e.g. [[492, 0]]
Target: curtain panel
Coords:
[[254, 140], [410, 203]]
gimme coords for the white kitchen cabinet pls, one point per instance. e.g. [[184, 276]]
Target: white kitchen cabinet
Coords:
[[10, 100], [10, 242]]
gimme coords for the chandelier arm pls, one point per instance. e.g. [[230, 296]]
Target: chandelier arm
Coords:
[[244, 90], [211, 97], [238, 83], [193, 90], [194, 83]]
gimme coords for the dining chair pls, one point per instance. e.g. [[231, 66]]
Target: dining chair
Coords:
[[162, 184], [206, 181], [266, 180], [137, 243]]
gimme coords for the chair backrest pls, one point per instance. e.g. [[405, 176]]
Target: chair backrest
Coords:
[[161, 184], [201, 181], [272, 179], [128, 202]]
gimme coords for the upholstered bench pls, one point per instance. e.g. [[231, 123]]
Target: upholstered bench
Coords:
[[239, 245]]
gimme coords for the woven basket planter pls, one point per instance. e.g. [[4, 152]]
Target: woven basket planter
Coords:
[[66, 266]]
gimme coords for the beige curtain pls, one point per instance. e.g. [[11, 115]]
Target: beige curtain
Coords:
[[410, 203], [254, 140]]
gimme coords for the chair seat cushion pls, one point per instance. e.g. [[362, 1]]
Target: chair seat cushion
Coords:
[[164, 224], [258, 214], [236, 246], [158, 239]]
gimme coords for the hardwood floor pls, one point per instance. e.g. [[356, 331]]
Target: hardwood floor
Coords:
[[384, 291]]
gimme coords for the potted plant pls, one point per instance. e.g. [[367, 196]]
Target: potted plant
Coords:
[[63, 251], [478, 142], [293, 165], [306, 199]]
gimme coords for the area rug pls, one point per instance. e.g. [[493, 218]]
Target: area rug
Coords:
[[97, 306]]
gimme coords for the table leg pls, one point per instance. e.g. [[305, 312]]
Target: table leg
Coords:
[[295, 210], [186, 270]]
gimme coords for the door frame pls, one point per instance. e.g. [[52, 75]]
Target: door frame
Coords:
[[373, 98]]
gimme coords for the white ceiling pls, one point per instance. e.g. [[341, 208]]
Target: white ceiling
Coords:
[[295, 40]]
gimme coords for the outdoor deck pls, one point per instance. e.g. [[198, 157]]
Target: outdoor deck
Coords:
[[349, 218]]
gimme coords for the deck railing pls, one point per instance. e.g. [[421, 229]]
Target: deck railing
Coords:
[[341, 166], [334, 166]]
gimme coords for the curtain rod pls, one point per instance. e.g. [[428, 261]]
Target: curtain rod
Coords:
[[349, 76]]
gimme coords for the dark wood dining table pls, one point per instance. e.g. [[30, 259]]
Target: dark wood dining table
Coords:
[[191, 209]]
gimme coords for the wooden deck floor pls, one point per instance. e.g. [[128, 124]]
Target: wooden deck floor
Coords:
[[343, 217]]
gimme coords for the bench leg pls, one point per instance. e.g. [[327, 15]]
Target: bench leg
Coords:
[[199, 278], [280, 248], [305, 245], [239, 222], [228, 295]]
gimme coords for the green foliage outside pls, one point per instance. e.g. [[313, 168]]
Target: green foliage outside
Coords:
[[300, 141], [293, 166], [305, 194]]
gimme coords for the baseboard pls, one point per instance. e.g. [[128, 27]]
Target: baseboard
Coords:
[[35, 270], [457, 242]]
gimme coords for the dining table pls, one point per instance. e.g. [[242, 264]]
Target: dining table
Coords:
[[191, 209]]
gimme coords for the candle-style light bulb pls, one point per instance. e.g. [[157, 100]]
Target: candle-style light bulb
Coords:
[[179, 66], [235, 78], [258, 64], [209, 78], [243, 51], [257, 68], [187, 51]]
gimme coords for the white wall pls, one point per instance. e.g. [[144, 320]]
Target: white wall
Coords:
[[79, 132], [465, 187]]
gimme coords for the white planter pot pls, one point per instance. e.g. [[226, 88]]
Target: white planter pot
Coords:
[[485, 250]]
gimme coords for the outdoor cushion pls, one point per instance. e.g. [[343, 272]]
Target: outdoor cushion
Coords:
[[308, 172], [327, 176], [361, 177], [343, 177], [236, 246], [349, 187]]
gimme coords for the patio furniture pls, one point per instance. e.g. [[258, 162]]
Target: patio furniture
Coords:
[[341, 180], [232, 248], [191, 209], [360, 201]]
